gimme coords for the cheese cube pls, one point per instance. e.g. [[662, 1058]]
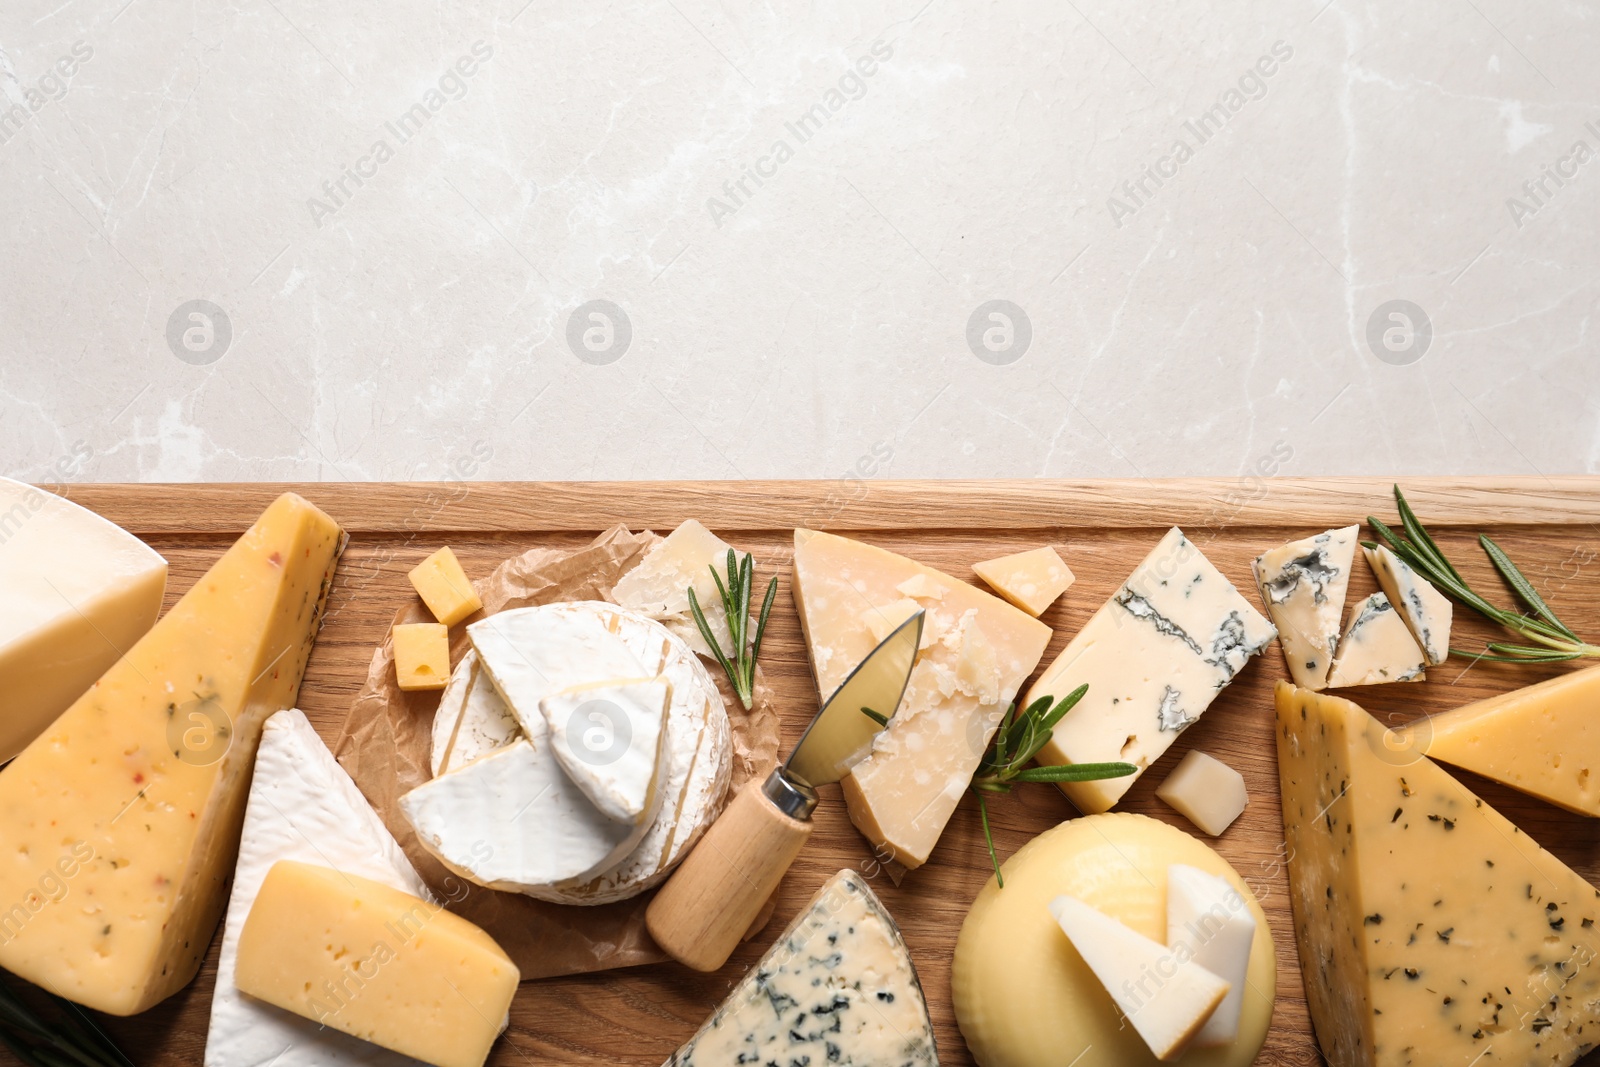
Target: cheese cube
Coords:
[[445, 587], [1209, 921], [1168, 1011], [1377, 648], [369, 960], [1031, 580], [1303, 585], [1206, 791], [141, 784], [75, 591], [1431, 930], [421, 655]]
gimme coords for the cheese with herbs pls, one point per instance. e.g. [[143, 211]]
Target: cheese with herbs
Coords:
[[1543, 739], [1377, 648], [837, 988], [1304, 584], [1431, 930], [1154, 658], [1426, 610], [142, 782], [977, 652]]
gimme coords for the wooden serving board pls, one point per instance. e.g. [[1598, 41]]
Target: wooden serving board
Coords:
[[1101, 528]]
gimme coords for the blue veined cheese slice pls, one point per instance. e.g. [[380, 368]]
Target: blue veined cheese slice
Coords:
[[1377, 648], [1304, 584], [1426, 610], [1154, 657], [837, 988]]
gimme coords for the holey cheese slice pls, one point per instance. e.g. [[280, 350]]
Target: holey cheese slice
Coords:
[[658, 587], [1154, 658], [302, 807], [75, 591], [142, 781], [978, 650], [1431, 930], [838, 988], [1543, 739], [472, 719], [1303, 585]]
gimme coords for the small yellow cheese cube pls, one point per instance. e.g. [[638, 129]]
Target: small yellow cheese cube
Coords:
[[1031, 580], [421, 655], [377, 963], [444, 587]]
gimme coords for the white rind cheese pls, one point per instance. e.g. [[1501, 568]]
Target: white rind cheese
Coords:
[[658, 586], [1377, 648], [1209, 921], [1154, 657], [472, 719], [302, 807], [1304, 584], [1426, 610], [607, 737], [838, 988]]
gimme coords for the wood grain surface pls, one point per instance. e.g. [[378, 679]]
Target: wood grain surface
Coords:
[[1101, 528]]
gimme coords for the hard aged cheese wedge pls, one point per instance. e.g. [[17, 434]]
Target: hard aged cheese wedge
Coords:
[[837, 988], [1431, 930], [979, 651], [659, 586], [1543, 739], [1031, 580], [1426, 610], [148, 772], [472, 720], [421, 655], [371, 961], [607, 737], [302, 807], [1024, 998], [1206, 791], [1170, 1011], [1154, 657], [1209, 921], [1377, 648], [75, 592], [1303, 585]]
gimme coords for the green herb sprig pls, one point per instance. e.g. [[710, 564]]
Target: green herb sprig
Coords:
[[1550, 639], [75, 1040], [1016, 742], [740, 664]]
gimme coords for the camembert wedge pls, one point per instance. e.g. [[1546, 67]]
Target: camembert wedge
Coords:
[[1304, 584], [148, 773], [1431, 930]]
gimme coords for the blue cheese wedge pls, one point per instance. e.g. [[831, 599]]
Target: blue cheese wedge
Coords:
[[1426, 610], [1304, 584], [1154, 657], [1377, 648], [838, 988]]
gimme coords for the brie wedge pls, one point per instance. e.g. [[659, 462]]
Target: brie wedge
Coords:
[[302, 807], [1304, 584], [472, 719], [607, 737]]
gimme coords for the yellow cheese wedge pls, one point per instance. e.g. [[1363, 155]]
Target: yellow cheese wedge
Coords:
[[1543, 740], [372, 961], [142, 782], [75, 593], [445, 587], [1031, 580], [978, 650], [1431, 930]]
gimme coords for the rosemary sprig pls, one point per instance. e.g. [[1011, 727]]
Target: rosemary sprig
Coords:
[[1550, 639], [740, 664], [1016, 742], [76, 1040]]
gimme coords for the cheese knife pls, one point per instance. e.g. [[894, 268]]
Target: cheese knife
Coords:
[[703, 911]]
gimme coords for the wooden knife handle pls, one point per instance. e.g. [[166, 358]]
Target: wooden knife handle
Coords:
[[719, 889]]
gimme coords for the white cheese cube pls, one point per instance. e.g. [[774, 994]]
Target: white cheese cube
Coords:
[[1377, 648], [1206, 791], [1210, 921]]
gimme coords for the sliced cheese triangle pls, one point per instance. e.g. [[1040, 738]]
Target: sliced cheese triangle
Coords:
[[1211, 920], [607, 737], [1304, 584], [139, 787], [1431, 930], [1377, 648], [1426, 610], [977, 651], [1168, 1009], [658, 587], [837, 988], [1543, 740], [302, 807]]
